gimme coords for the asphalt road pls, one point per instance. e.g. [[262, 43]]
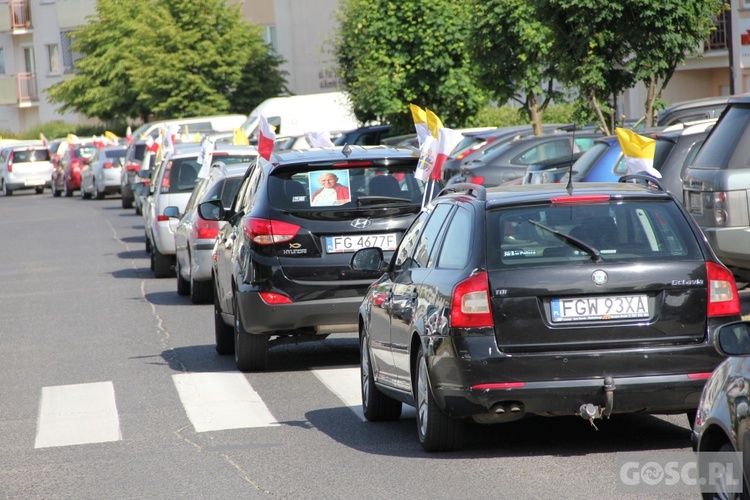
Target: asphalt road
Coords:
[[111, 388]]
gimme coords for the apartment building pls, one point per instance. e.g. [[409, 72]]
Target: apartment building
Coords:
[[35, 54]]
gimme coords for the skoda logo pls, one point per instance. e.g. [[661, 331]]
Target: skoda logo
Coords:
[[599, 277], [361, 223]]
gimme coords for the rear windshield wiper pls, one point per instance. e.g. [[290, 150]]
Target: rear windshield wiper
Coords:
[[572, 240]]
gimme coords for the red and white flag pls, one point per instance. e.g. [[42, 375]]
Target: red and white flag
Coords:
[[448, 139], [266, 139], [129, 135], [151, 144]]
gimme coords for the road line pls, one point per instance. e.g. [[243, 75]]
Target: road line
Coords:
[[219, 401], [345, 384], [77, 414]]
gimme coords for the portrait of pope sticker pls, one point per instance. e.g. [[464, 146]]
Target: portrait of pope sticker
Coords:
[[329, 188]]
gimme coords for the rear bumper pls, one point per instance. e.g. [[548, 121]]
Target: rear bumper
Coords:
[[336, 315], [659, 380]]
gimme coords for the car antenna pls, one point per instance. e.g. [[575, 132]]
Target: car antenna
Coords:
[[570, 128]]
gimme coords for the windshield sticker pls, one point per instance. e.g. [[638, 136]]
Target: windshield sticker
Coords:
[[329, 188]]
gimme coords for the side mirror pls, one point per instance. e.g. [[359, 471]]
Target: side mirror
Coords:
[[211, 210], [172, 212], [368, 259], [733, 339]]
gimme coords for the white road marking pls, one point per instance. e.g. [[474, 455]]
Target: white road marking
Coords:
[[218, 401], [77, 414], [346, 385]]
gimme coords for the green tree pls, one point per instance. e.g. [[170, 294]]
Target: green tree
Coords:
[[169, 59], [394, 53], [513, 48]]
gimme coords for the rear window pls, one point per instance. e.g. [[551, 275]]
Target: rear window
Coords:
[[115, 153], [30, 155], [85, 151], [330, 188], [589, 159], [623, 232], [728, 145], [180, 176]]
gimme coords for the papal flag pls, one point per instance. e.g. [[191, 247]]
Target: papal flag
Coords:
[[638, 151], [112, 137], [420, 123], [433, 123], [239, 138]]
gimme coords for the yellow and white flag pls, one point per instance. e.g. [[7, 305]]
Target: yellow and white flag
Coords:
[[638, 151], [239, 138], [433, 123], [420, 122]]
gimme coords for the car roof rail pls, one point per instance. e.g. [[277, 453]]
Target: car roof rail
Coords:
[[647, 180], [477, 191]]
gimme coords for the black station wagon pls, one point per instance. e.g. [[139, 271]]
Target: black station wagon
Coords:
[[537, 300]]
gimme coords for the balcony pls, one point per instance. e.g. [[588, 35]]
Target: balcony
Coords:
[[19, 90], [16, 18]]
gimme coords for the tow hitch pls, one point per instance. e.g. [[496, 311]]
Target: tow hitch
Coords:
[[590, 411]]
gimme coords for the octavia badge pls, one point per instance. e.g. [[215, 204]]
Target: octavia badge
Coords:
[[599, 277], [361, 223]]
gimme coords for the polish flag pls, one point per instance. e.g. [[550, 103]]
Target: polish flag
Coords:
[[448, 139], [266, 139], [151, 144], [129, 135]]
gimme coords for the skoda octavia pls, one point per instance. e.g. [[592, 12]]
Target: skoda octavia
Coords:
[[538, 300]]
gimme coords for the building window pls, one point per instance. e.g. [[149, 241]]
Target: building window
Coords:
[[53, 58], [2, 61], [269, 36], [69, 57]]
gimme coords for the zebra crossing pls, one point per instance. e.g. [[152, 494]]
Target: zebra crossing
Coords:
[[87, 413]]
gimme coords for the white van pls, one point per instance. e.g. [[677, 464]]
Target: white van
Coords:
[[195, 125], [300, 114]]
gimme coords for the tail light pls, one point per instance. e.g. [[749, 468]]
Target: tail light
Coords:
[[272, 298], [107, 165], [133, 166], [10, 162], [477, 179], [723, 299], [205, 229], [269, 232], [720, 213], [470, 304]]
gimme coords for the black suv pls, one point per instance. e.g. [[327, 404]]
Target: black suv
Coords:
[[281, 263], [532, 300]]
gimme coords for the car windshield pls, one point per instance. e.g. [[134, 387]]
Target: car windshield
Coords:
[[30, 155], [321, 188], [588, 159], [554, 235]]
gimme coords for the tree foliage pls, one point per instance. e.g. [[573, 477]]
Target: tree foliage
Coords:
[[394, 53], [168, 58]]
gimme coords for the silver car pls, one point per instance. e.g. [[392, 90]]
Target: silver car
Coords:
[[195, 237], [101, 175], [25, 166]]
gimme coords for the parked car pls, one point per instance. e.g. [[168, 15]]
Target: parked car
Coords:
[[688, 111], [25, 166], [716, 187], [172, 183], [194, 237], [101, 175], [510, 160], [282, 259], [477, 144], [721, 423], [66, 178], [529, 300], [141, 188], [129, 174], [364, 136]]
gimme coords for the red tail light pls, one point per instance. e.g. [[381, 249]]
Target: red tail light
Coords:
[[470, 304], [133, 166], [162, 218], [107, 165], [723, 299], [272, 298], [206, 229], [269, 232], [10, 162], [498, 385], [477, 179]]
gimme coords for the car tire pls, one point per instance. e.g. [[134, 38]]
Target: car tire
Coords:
[[138, 210], [99, 195], [39, 189], [718, 488], [376, 406], [127, 197], [85, 195], [183, 285], [6, 190], [201, 292], [224, 333], [67, 192], [250, 350], [148, 246], [437, 431], [691, 418], [163, 264], [55, 192]]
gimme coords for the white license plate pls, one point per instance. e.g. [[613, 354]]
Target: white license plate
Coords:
[[696, 203], [599, 308], [341, 244]]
